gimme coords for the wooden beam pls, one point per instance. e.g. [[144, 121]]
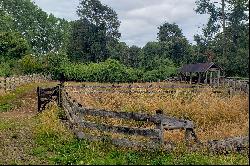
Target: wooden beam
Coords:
[[121, 129], [218, 78], [206, 77], [190, 77], [199, 79], [211, 78], [38, 99], [124, 115]]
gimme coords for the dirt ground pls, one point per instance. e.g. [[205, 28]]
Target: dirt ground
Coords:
[[16, 131]]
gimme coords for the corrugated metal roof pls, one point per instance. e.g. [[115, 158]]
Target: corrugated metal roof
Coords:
[[199, 67]]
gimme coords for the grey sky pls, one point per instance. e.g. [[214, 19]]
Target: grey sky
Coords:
[[139, 18]]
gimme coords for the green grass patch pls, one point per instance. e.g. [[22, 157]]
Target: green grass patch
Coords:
[[57, 145], [6, 124], [12, 99], [4, 107]]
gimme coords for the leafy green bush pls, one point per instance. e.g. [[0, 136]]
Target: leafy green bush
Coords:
[[5, 69], [159, 74], [108, 71], [111, 71], [55, 63], [30, 64]]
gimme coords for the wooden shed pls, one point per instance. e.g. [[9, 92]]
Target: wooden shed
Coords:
[[201, 73]]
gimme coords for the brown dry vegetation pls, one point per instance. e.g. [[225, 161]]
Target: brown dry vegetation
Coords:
[[216, 116]]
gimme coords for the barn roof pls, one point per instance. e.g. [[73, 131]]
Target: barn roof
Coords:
[[198, 67]]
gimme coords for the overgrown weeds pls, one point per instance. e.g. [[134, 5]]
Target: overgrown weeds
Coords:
[[216, 116]]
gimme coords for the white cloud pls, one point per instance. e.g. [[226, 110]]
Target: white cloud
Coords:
[[139, 18]]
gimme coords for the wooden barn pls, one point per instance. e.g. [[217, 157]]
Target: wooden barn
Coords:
[[207, 73]]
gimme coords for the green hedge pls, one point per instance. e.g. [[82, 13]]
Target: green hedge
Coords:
[[110, 71]]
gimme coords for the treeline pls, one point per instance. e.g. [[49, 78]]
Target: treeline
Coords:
[[89, 49]]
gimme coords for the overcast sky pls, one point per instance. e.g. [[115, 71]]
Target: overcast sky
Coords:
[[139, 18]]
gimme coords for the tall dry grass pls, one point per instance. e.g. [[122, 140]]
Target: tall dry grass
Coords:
[[216, 116]]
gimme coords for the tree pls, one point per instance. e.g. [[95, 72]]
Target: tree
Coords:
[[174, 45], [151, 51], [100, 15], [213, 25], [94, 33], [169, 32], [44, 32], [87, 42], [119, 51], [232, 45], [13, 45], [135, 54], [6, 23]]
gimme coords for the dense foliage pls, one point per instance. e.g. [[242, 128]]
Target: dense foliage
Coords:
[[56, 46], [43, 32], [112, 71], [231, 48]]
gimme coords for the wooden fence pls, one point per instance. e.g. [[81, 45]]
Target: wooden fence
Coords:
[[46, 95], [233, 84], [237, 85], [151, 89], [76, 114], [11, 83]]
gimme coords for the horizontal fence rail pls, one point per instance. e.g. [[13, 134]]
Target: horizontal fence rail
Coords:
[[229, 86], [131, 89], [135, 86]]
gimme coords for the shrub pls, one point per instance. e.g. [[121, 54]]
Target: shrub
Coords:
[[30, 64], [5, 69], [110, 71], [55, 63]]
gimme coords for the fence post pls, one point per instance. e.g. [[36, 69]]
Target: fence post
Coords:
[[247, 88], [38, 99], [160, 126], [14, 83], [5, 84], [231, 91], [60, 89]]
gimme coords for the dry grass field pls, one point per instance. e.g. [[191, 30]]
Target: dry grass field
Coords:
[[28, 137], [216, 115]]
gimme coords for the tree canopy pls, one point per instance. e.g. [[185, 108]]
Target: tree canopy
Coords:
[[100, 15], [43, 32], [30, 35]]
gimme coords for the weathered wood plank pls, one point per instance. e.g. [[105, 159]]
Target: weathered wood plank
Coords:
[[123, 115], [127, 91], [171, 123], [121, 129], [68, 111], [44, 90]]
